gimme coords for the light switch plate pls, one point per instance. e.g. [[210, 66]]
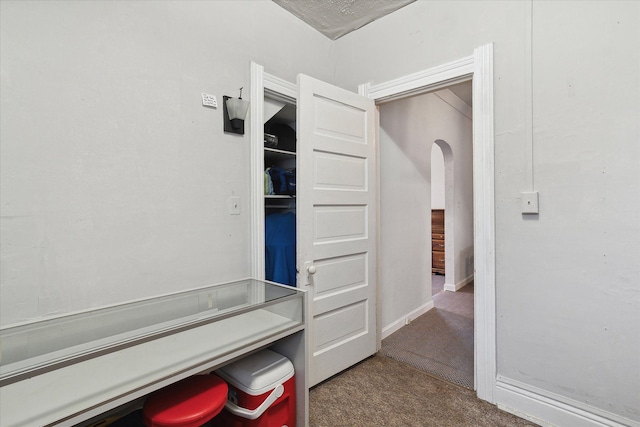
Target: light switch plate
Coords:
[[530, 203], [234, 205]]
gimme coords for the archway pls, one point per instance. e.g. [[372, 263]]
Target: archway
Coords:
[[447, 181]]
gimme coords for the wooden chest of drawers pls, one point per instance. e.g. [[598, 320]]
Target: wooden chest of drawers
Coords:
[[437, 241]]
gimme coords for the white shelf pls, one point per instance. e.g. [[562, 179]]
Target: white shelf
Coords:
[[276, 151], [81, 389]]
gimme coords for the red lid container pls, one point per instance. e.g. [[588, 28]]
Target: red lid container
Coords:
[[187, 403], [261, 392]]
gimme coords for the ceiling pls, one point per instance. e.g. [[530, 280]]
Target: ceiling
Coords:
[[335, 18]]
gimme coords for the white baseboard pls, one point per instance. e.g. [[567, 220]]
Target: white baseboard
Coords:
[[406, 319], [453, 288], [548, 409]]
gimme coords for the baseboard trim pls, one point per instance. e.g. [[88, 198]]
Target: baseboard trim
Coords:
[[454, 288], [406, 319], [548, 409]]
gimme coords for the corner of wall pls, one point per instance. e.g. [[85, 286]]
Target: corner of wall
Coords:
[[406, 319]]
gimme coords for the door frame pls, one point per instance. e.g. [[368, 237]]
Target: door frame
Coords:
[[478, 68], [261, 83]]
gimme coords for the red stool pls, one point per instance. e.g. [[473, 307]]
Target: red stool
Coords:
[[187, 403]]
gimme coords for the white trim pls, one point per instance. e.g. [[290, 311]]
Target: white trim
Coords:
[[454, 288], [423, 81], [484, 225], [548, 409], [257, 166], [276, 88], [528, 95], [453, 100], [363, 91], [480, 67], [406, 319], [378, 239]]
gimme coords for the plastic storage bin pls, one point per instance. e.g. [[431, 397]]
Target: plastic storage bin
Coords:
[[261, 392], [187, 403]]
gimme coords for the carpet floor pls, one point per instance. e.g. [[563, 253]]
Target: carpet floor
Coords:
[[440, 342], [384, 392]]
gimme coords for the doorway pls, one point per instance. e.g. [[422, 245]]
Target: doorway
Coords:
[[413, 132], [478, 66]]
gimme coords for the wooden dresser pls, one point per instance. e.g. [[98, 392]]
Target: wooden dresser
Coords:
[[437, 241]]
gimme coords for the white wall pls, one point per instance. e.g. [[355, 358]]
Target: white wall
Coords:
[[437, 177], [568, 293], [115, 180], [408, 129]]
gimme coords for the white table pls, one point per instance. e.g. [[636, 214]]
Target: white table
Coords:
[[77, 389]]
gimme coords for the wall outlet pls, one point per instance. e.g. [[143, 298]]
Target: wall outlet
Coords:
[[530, 203]]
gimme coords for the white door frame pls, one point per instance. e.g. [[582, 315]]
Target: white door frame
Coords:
[[479, 68], [278, 88]]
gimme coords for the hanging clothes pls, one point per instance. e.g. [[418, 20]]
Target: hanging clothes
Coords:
[[280, 248]]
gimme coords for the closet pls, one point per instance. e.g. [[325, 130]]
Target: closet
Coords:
[[327, 188], [279, 155]]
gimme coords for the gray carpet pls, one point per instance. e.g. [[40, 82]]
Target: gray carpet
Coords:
[[440, 342], [437, 284], [383, 392]]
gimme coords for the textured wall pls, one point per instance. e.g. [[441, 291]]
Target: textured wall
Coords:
[[115, 179], [568, 294]]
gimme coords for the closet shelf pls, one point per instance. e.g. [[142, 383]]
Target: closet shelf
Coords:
[[276, 151], [279, 196]]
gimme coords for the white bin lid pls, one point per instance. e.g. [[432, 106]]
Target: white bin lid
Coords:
[[258, 373]]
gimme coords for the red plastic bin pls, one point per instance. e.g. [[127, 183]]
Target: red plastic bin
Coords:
[[261, 392], [187, 403]]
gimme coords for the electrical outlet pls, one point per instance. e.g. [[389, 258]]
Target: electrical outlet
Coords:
[[530, 203]]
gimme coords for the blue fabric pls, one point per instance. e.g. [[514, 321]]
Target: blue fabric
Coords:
[[280, 248], [284, 181]]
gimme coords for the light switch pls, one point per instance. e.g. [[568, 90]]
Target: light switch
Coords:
[[530, 203], [234, 205]]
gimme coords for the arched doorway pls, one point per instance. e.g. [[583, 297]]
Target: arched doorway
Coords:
[[442, 187]]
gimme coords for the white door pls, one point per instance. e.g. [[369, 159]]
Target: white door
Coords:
[[336, 211]]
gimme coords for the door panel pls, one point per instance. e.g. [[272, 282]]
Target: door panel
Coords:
[[339, 171], [339, 223], [338, 120], [340, 326], [339, 274], [336, 224]]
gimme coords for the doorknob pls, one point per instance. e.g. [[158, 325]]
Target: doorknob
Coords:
[[309, 271]]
